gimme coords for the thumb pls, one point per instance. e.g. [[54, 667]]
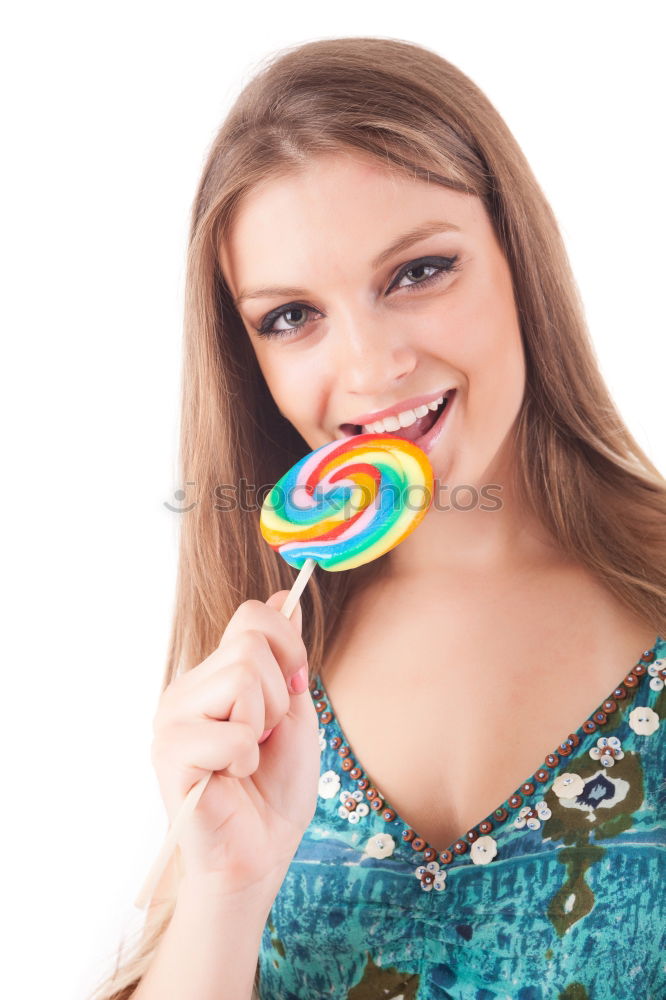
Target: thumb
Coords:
[[277, 600]]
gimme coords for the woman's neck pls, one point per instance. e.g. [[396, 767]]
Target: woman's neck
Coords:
[[495, 535]]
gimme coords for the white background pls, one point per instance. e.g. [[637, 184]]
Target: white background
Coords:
[[109, 111]]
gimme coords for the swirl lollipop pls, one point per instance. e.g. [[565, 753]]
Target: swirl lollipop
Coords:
[[341, 506], [346, 504]]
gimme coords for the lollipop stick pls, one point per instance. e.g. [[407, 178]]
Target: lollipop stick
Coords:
[[191, 799], [298, 587]]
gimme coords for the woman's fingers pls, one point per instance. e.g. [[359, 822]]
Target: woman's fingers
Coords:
[[283, 634], [191, 750], [249, 687]]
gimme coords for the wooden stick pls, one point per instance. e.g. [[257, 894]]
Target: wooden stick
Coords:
[[298, 587], [191, 799]]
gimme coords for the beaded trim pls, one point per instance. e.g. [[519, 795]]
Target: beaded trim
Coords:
[[460, 847]]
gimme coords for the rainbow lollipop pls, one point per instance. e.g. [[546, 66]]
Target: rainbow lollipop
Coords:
[[346, 504]]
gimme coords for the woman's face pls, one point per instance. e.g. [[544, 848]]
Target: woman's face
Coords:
[[345, 323]]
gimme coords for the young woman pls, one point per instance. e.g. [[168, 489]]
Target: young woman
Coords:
[[478, 711]]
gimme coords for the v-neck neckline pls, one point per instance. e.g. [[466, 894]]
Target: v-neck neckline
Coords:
[[550, 768]]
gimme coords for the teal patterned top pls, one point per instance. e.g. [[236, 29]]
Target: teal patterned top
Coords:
[[556, 895]]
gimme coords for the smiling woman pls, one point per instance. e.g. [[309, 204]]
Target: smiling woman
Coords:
[[482, 737], [372, 335]]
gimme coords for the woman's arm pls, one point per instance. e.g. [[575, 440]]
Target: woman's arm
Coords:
[[210, 949]]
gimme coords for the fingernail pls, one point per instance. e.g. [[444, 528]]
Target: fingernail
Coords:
[[266, 733], [299, 681]]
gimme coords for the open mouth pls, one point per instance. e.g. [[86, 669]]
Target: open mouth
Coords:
[[416, 432]]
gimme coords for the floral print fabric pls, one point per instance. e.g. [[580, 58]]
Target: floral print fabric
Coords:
[[557, 895]]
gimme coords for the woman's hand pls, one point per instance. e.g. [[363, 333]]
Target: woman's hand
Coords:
[[257, 805]]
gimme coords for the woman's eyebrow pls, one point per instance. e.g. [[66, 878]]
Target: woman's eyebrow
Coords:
[[402, 242]]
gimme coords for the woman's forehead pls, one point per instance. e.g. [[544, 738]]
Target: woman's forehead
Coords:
[[338, 205]]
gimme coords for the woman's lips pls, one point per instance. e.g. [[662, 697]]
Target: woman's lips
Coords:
[[430, 438], [426, 440]]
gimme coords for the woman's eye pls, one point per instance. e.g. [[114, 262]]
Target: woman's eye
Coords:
[[268, 326], [415, 272]]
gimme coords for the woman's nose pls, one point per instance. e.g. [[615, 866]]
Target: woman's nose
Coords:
[[372, 356]]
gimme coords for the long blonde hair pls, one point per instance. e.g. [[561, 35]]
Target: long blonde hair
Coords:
[[579, 468]]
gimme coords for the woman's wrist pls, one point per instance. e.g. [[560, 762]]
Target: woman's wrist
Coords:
[[219, 891]]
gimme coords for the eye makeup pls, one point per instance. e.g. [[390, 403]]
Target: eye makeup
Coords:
[[441, 266]]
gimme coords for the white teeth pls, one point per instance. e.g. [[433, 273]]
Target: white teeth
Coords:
[[388, 424], [404, 419]]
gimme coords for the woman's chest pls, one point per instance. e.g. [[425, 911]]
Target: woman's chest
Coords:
[[450, 708]]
